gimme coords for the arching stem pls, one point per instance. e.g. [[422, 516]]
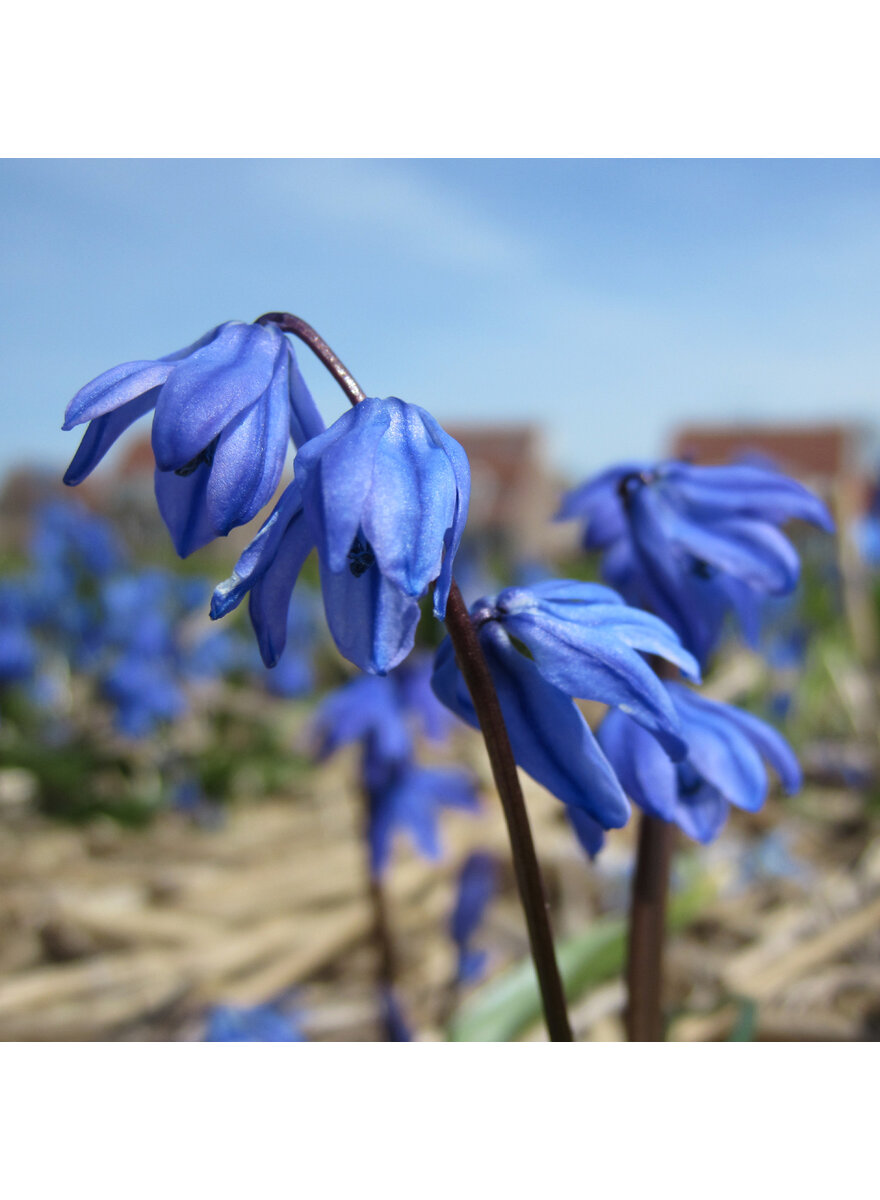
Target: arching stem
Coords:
[[478, 678]]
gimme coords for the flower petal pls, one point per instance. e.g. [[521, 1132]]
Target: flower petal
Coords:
[[305, 420], [249, 458], [181, 501], [115, 388], [412, 502], [208, 389], [372, 622], [335, 472], [551, 741], [593, 663], [103, 432]]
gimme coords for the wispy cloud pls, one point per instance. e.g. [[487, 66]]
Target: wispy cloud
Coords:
[[389, 200]]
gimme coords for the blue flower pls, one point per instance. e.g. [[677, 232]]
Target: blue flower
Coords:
[[225, 408], [263, 1023], [727, 748], [405, 796], [383, 495], [476, 887], [692, 544], [144, 691], [396, 1025], [367, 708], [583, 641]]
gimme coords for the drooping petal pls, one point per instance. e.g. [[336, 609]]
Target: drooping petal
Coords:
[[768, 742], [550, 739], [372, 622], [646, 773], [589, 832], [751, 551], [103, 432], [181, 501], [258, 557], [115, 388], [305, 420], [208, 389], [335, 472], [744, 490], [725, 757], [249, 458], [592, 663], [701, 811]]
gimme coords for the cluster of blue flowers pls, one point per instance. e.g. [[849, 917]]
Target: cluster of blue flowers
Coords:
[[382, 496], [136, 635], [696, 545]]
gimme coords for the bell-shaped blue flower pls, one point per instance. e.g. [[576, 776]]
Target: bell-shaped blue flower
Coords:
[[477, 882], [694, 543], [225, 408], [405, 796], [383, 495], [727, 751], [581, 640]]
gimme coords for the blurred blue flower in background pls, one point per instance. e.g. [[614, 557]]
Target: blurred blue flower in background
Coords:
[[693, 544], [262, 1023], [382, 714], [225, 409], [144, 691], [383, 495], [727, 748], [405, 796], [477, 882], [581, 640]]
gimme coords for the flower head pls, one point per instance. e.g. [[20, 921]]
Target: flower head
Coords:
[[225, 408], [581, 640], [727, 749], [476, 887], [693, 543], [383, 495]]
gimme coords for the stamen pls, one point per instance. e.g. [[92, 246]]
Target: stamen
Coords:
[[205, 456], [360, 556]]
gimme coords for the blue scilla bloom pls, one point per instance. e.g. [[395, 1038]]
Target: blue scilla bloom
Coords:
[[366, 709], [403, 796], [694, 543], [69, 538], [225, 408], [727, 750], [144, 691], [476, 887], [383, 495], [262, 1023], [583, 641]]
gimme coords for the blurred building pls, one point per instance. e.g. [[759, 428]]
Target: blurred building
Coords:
[[514, 493]]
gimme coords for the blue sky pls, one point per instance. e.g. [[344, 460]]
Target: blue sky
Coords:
[[606, 300]]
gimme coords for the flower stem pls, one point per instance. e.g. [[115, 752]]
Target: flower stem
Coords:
[[475, 670], [288, 323], [476, 673], [647, 929], [386, 959]]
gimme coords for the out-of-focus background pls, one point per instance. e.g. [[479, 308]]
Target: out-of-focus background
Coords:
[[171, 854]]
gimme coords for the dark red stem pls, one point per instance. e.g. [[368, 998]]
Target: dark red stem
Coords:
[[647, 931], [475, 670]]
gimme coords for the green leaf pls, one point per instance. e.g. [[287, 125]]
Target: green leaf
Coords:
[[511, 1002]]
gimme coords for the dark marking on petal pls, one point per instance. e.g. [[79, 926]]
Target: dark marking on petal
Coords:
[[205, 456], [360, 556]]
